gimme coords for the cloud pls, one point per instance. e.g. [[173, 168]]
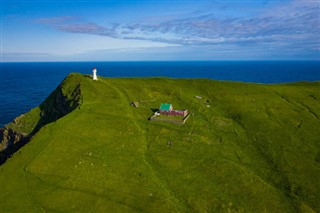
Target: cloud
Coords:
[[296, 22], [74, 24], [88, 28], [281, 23], [55, 20]]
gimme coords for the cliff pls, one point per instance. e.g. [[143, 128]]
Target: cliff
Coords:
[[64, 99]]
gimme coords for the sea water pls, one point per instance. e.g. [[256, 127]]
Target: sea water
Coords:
[[25, 85]]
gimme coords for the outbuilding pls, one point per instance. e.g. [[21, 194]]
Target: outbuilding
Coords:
[[167, 109]]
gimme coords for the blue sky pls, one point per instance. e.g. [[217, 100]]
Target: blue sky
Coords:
[[69, 30]]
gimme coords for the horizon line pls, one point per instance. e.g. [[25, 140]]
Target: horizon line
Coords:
[[233, 60]]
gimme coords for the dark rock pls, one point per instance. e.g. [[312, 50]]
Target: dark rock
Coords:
[[10, 141]]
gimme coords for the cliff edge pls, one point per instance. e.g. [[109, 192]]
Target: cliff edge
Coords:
[[63, 100]]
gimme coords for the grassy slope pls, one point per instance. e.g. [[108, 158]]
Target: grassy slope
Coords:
[[255, 149]]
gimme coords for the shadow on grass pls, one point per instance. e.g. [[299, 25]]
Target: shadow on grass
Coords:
[[154, 110]]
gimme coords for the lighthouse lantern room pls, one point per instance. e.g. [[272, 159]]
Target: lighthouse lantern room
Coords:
[[94, 76]]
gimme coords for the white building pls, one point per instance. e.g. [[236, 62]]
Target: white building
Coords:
[[94, 76]]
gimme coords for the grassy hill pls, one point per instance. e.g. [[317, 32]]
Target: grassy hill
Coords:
[[245, 148]]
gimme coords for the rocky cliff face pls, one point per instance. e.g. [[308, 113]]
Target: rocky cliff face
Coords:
[[11, 141], [63, 100]]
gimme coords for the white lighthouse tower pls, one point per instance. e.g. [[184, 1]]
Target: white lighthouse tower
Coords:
[[94, 76]]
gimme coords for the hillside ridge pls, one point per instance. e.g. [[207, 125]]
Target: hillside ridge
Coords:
[[245, 148]]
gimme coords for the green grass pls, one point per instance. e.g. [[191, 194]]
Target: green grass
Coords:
[[255, 149]]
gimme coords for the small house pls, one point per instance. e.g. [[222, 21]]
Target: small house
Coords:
[[167, 109]]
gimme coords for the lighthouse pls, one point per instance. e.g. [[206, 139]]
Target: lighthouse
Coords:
[[94, 76]]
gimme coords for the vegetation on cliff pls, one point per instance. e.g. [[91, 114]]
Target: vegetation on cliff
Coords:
[[65, 98], [245, 148]]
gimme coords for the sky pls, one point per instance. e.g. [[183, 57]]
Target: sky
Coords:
[[154, 30]]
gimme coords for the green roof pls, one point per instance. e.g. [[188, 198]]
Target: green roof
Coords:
[[165, 107]]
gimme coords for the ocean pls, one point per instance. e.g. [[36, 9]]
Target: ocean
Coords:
[[25, 85]]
